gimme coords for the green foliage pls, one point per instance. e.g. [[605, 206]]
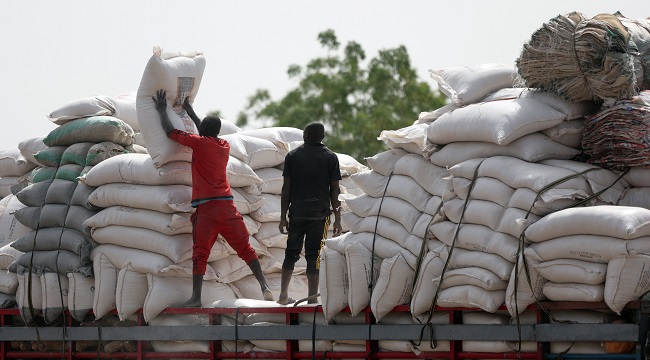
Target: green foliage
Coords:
[[216, 113], [354, 101]]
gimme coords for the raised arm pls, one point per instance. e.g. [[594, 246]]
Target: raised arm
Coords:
[[190, 111], [161, 106]]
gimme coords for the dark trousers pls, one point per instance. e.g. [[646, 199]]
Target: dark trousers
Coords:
[[307, 232]]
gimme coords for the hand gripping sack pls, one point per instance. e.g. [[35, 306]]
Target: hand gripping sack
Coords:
[[179, 74]]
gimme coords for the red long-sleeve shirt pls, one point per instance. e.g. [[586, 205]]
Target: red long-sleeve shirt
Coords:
[[209, 160]]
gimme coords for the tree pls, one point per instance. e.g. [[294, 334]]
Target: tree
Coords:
[[355, 103]]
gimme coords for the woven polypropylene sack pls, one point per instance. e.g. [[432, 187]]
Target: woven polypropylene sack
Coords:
[[179, 75]]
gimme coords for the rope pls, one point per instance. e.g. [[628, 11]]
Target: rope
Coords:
[[522, 243], [428, 324]]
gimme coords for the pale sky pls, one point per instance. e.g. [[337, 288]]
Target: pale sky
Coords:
[[55, 52]]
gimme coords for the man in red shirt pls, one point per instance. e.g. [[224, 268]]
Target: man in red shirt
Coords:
[[211, 196]]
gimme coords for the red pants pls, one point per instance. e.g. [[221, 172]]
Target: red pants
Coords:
[[211, 219]]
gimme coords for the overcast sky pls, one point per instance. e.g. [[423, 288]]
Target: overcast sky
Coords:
[[55, 52]]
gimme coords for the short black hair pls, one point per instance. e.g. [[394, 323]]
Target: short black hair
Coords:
[[314, 133], [210, 126]]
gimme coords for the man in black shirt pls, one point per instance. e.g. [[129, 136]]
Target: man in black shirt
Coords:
[[311, 184]]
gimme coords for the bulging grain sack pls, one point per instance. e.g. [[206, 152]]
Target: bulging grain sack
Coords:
[[138, 169], [429, 176], [60, 261], [55, 238], [424, 289], [478, 238], [511, 221], [8, 282], [255, 152], [620, 222], [384, 226], [140, 260], [568, 133], [55, 296], [573, 292], [627, 280], [525, 286], [164, 198], [462, 258], [411, 138], [532, 147], [363, 272], [30, 147], [81, 293], [333, 282], [593, 248], [10, 228], [394, 286], [176, 247], [179, 74], [167, 292], [105, 285], [281, 136], [82, 107], [166, 223], [399, 186], [517, 173], [471, 296], [8, 255], [572, 271], [469, 84], [382, 247], [599, 179], [384, 162], [476, 276], [498, 122], [50, 156], [29, 297], [131, 291], [573, 110], [102, 151], [93, 129], [13, 163], [76, 153], [390, 207]]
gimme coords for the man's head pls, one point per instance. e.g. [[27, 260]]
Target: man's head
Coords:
[[314, 133], [210, 126]]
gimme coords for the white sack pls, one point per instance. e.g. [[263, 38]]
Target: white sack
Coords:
[[498, 122], [138, 169], [179, 74], [469, 84], [532, 147], [163, 198]]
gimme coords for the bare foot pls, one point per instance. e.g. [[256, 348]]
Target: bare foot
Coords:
[[191, 303], [268, 295], [288, 300]]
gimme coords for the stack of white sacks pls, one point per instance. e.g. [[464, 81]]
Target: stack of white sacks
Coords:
[[469, 204], [489, 156]]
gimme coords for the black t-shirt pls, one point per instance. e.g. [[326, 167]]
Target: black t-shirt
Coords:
[[311, 168]]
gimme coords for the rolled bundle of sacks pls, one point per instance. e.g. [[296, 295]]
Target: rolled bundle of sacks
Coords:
[[603, 58], [617, 137]]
